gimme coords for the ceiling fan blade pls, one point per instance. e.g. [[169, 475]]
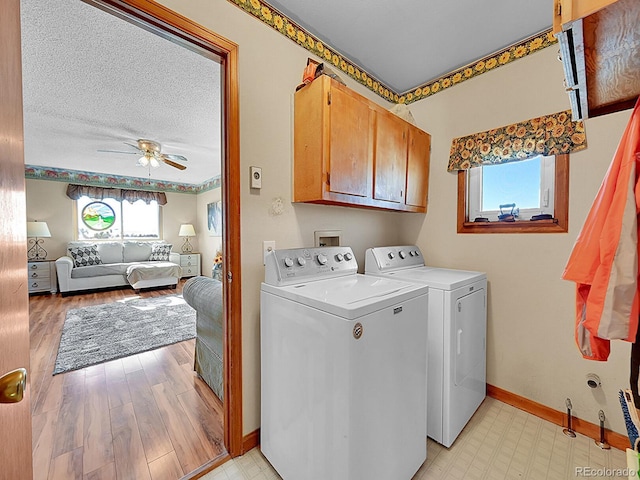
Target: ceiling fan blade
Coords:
[[170, 156], [119, 151], [173, 164], [132, 145]]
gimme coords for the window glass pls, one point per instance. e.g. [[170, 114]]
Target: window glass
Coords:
[[110, 219], [524, 189]]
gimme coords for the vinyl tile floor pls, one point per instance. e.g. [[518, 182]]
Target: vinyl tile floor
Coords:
[[499, 442]]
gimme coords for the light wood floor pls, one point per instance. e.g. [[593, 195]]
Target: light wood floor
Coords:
[[147, 416]]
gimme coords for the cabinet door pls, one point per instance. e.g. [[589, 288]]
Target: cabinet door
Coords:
[[418, 167], [390, 158], [349, 145]]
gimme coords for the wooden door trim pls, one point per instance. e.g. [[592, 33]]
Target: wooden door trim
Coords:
[[169, 24]]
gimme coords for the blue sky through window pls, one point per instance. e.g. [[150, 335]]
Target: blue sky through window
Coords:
[[516, 182]]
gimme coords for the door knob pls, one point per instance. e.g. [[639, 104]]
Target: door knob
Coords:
[[12, 386]]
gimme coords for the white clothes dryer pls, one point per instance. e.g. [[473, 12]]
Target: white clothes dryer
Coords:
[[457, 331], [343, 369]]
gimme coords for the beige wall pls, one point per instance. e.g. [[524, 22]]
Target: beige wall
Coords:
[[530, 346], [47, 201], [208, 245], [270, 67]]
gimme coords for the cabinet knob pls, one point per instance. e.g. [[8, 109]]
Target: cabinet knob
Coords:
[[34, 285], [34, 275], [34, 267]]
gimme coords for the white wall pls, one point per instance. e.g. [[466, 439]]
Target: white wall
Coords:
[[530, 345], [47, 201], [270, 67]]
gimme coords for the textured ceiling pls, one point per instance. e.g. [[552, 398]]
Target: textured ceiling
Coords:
[[93, 81], [408, 43]]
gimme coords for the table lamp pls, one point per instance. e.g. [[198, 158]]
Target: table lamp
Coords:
[[37, 232], [186, 230]]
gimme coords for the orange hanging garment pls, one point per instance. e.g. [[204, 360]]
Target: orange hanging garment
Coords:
[[604, 259]]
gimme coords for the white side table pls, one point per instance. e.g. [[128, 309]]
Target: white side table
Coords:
[[190, 263], [42, 276]]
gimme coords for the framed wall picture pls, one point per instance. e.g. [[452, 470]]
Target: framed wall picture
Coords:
[[214, 218]]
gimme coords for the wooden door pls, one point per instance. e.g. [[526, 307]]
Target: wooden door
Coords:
[[349, 144], [15, 418], [390, 157], [418, 156]]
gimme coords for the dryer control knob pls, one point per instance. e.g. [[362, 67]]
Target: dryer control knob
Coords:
[[417, 253], [348, 256], [301, 261], [402, 254], [288, 262], [339, 257], [412, 253], [391, 255], [322, 259]]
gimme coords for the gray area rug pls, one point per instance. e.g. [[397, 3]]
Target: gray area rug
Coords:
[[96, 334]]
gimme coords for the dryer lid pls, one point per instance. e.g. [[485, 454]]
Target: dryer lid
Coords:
[[441, 278], [351, 296]]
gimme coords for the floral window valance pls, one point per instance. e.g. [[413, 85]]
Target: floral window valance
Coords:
[[549, 135], [74, 192]]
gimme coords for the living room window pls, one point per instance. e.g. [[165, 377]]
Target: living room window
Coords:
[[110, 219]]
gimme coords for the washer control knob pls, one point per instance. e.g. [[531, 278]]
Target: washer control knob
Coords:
[[402, 254], [348, 256], [322, 259], [288, 262], [301, 261], [412, 253], [339, 257], [417, 253], [391, 256]]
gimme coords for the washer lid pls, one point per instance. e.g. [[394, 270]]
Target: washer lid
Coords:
[[441, 278], [351, 296]]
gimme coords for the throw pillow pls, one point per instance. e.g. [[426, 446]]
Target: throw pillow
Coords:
[[160, 252], [85, 255]]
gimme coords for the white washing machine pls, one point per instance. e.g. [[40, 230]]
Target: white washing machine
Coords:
[[457, 332], [343, 365]]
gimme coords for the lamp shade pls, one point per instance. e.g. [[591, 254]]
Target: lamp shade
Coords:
[[38, 229], [187, 230]]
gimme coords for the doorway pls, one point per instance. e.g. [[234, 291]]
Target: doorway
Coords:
[[169, 25]]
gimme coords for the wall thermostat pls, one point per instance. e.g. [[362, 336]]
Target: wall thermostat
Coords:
[[256, 177]]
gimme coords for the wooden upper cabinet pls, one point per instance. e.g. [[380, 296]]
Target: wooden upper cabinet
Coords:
[[349, 144], [390, 158], [350, 151], [418, 168]]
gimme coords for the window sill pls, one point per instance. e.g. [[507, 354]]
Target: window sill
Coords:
[[521, 226]]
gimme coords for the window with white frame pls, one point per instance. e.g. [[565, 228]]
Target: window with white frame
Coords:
[[110, 219], [524, 189]]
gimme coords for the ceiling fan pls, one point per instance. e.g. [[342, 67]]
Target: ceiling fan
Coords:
[[151, 154]]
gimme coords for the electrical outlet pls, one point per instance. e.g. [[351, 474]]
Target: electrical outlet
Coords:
[[267, 246]]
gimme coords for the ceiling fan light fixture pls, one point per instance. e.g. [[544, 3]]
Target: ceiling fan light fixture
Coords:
[[154, 162], [143, 161]]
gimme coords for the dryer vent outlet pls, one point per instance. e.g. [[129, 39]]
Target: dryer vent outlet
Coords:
[[593, 381]]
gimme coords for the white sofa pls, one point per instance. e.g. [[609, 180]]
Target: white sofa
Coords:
[[115, 264]]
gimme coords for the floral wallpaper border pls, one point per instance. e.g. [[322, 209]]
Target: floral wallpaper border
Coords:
[[547, 135], [290, 29], [106, 180]]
